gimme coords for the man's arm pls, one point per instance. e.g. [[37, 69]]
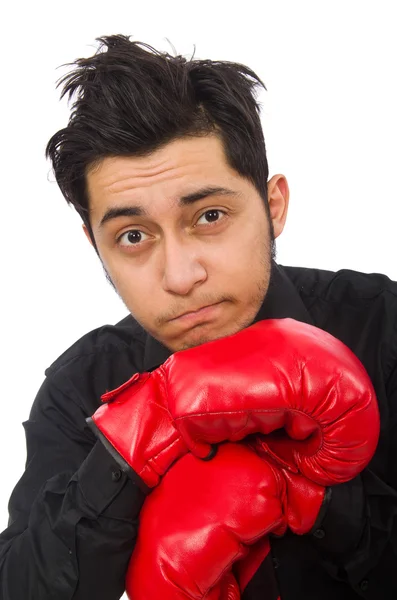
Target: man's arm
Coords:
[[357, 539], [73, 514]]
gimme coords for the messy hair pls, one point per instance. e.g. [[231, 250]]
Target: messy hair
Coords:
[[130, 99]]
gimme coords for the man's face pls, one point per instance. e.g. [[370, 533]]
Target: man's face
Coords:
[[184, 239]]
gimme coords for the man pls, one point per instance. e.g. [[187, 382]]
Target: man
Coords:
[[164, 159]]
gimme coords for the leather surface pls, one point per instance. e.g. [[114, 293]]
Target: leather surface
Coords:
[[199, 521], [298, 385]]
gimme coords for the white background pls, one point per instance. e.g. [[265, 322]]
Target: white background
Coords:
[[330, 124]]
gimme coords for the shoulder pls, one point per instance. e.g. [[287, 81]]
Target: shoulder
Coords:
[[99, 361], [106, 338], [343, 286], [358, 308]]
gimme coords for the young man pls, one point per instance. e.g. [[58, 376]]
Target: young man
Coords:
[[165, 161]]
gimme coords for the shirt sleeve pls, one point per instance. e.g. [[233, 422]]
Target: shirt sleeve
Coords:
[[73, 514], [357, 538]]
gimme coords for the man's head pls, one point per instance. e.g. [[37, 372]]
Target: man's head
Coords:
[[165, 161]]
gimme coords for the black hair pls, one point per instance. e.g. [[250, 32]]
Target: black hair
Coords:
[[130, 99]]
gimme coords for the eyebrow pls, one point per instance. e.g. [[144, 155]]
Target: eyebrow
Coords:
[[138, 211]]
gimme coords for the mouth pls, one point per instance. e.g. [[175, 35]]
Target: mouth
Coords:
[[203, 312]]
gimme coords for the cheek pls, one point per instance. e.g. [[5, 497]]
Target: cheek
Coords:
[[246, 251], [135, 286], [130, 282]]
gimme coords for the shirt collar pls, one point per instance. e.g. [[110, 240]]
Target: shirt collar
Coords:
[[281, 301]]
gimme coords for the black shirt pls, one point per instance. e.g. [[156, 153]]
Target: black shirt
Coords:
[[73, 514]]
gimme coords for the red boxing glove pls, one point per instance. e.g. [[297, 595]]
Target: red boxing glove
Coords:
[[205, 516], [275, 374]]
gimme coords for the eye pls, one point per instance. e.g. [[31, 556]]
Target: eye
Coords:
[[132, 237], [211, 216]]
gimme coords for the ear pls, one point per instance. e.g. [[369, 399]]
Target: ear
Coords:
[[278, 199], [87, 234]]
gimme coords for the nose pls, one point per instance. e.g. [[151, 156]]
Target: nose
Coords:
[[182, 267]]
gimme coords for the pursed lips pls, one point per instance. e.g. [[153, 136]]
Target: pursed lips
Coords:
[[193, 312]]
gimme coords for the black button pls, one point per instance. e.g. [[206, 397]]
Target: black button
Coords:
[[319, 534], [116, 475], [364, 585], [276, 563]]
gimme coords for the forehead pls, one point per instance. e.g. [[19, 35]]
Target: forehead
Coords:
[[173, 170]]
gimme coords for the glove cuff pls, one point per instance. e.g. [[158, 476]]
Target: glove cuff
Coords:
[[124, 466], [135, 420]]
